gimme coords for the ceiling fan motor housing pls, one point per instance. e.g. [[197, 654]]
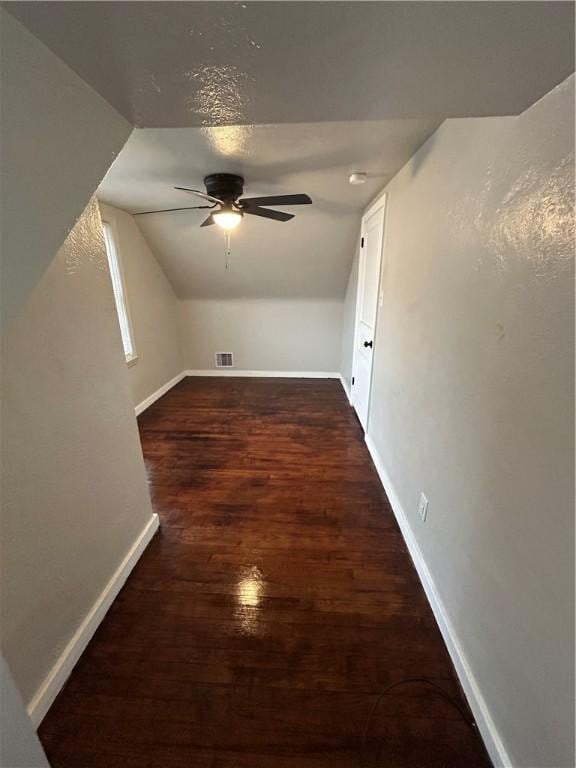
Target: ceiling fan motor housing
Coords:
[[224, 186]]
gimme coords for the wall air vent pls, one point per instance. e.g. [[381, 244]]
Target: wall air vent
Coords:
[[224, 360]]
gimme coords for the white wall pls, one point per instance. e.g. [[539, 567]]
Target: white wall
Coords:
[[153, 308], [74, 489], [19, 745], [473, 403], [266, 335], [49, 116], [75, 496]]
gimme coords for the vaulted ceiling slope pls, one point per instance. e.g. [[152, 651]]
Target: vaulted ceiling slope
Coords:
[[171, 64], [307, 257]]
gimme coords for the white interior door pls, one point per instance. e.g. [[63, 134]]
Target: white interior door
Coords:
[[367, 307]]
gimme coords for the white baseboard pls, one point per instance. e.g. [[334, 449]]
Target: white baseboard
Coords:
[[159, 392], [60, 672], [265, 374], [346, 388], [486, 726]]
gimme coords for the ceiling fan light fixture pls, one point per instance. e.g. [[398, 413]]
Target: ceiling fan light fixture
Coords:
[[224, 193], [227, 219]]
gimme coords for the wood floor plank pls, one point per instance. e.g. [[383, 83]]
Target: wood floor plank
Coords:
[[275, 604]]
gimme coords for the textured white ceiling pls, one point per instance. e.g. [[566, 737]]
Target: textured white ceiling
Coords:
[[309, 256], [310, 91], [170, 64]]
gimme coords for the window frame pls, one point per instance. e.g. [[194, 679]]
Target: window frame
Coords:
[[121, 302]]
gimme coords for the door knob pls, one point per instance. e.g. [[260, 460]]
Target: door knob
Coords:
[[367, 343]]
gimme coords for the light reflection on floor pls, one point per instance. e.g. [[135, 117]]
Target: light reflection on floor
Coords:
[[249, 592]]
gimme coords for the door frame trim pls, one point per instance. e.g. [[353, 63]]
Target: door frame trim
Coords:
[[377, 204]]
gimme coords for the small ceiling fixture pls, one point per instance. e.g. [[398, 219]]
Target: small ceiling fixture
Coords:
[[224, 192], [358, 177]]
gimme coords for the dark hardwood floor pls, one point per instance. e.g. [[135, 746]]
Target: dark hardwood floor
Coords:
[[275, 604]]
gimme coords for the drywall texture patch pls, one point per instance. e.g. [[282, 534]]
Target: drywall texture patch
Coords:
[[272, 335], [153, 308], [473, 402], [59, 138], [75, 495]]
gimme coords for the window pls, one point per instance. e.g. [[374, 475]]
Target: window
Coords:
[[119, 295]]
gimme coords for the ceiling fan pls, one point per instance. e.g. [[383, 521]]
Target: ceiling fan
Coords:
[[224, 192]]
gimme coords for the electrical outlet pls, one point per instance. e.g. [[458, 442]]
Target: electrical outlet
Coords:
[[423, 507]]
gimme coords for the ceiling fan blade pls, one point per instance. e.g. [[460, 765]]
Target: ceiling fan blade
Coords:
[[169, 210], [208, 222], [266, 213], [200, 194], [276, 200]]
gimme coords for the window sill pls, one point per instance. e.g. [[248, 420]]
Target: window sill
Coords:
[[131, 360]]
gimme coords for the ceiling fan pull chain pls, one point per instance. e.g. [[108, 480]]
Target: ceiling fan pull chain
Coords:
[[228, 247]]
